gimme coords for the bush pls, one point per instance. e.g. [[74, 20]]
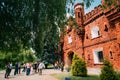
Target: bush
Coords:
[[78, 67], [118, 73], [107, 72], [68, 68]]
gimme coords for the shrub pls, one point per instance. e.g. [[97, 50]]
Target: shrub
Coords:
[[107, 72], [68, 68], [118, 73], [78, 67]]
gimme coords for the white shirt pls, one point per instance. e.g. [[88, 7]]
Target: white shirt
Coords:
[[41, 66]]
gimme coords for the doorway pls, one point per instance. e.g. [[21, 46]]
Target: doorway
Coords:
[[70, 57]]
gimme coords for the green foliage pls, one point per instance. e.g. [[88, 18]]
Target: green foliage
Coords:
[[75, 57], [25, 22], [14, 28], [50, 55], [118, 73], [108, 72], [88, 3], [110, 3], [107, 3], [78, 67], [23, 56], [68, 68]]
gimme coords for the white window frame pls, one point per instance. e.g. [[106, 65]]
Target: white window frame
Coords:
[[95, 54], [69, 39], [95, 32]]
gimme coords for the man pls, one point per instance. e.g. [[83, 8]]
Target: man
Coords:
[[7, 70], [10, 68], [40, 67], [16, 68], [35, 67]]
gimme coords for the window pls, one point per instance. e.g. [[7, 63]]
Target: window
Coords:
[[86, 36], [95, 32], [111, 55], [106, 29], [98, 56], [88, 56], [69, 39], [83, 55], [79, 15]]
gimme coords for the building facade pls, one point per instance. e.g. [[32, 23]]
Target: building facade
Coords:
[[96, 39]]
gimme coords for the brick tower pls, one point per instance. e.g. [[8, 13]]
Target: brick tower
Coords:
[[79, 13]]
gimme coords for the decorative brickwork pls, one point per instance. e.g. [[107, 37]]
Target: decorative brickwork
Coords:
[[100, 37]]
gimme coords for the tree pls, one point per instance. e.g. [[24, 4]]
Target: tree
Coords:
[[26, 22], [108, 72], [106, 3], [14, 26], [50, 55], [78, 67]]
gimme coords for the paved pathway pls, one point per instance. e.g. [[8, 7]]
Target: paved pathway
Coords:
[[46, 75], [32, 76]]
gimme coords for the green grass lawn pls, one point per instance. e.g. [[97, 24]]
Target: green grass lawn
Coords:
[[63, 75], [2, 69]]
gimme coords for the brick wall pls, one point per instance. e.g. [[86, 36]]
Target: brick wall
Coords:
[[108, 40]]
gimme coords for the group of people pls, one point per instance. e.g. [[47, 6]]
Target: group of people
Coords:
[[37, 67], [9, 69], [59, 66]]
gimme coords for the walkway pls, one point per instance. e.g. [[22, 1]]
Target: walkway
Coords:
[[32, 76], [46, 75]]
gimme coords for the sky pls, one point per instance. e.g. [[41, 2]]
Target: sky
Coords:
[[95, 3]]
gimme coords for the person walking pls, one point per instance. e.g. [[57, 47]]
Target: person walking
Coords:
[[35, 67], [62, 66], [41, 67], [7, 70], [28, 66], [10, 68], [16, 68], [24, 67], [19, 67]]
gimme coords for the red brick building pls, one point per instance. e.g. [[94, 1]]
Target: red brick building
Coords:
[[97, 38]]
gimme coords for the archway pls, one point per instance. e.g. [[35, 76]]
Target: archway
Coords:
[[70, 57]]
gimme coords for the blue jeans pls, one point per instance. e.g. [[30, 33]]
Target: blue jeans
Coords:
[[28, 71]]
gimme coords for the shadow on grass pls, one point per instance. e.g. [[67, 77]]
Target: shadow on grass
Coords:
[[62, 76], [90, 77]]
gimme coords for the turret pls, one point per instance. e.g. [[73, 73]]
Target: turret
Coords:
[[103, 2], [79, 13]]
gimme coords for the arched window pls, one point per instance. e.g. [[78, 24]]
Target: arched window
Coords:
[[95, 32], [111, 55], [86, 36], [106, 28]]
